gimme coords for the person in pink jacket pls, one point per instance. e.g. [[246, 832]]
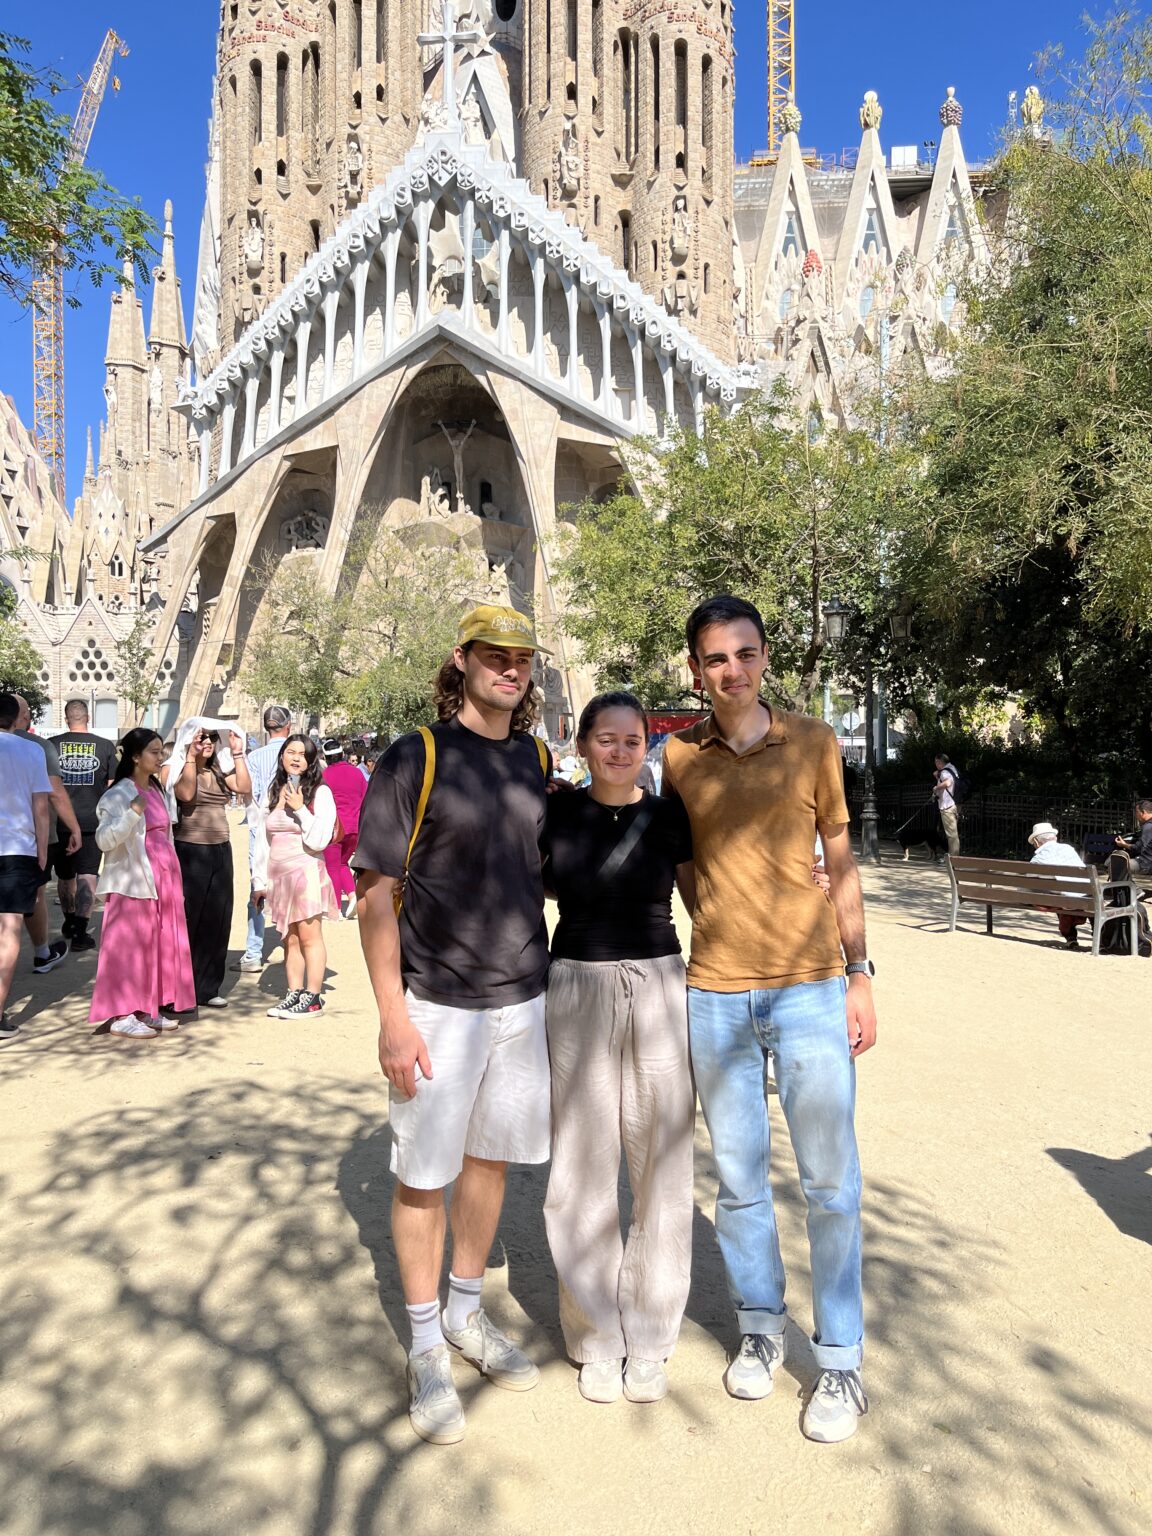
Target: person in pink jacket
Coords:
[[348, 786]]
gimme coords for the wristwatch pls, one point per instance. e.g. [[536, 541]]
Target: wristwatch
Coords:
[[860, 968]]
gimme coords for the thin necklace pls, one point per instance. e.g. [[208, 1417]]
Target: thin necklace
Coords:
[[615, 809]]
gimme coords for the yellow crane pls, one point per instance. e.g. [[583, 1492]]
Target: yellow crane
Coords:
[[781, 68], [48, 286]]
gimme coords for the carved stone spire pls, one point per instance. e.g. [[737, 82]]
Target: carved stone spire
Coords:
[[167, 325], [871, 112], [951, 113]]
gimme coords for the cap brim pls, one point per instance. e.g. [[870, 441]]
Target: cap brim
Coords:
[[503, 642]]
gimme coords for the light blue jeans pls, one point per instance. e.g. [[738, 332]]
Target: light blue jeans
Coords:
[[254, 949], [804, 1029]]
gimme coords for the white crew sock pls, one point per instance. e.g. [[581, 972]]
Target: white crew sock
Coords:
[[426, 1330], [463, 1300], [43, 951]]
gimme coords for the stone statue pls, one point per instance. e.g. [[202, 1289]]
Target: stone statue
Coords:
[[434, 495], [307, 530], [156, 390], [456, 440], [472, 120], [871, 113], [110, 401], [491, 511], [681, 232], [354, 169], [568, 166], [433, 118], [680, 296], [1032, 108], [254, 246]]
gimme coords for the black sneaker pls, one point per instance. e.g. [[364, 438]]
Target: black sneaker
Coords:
[[83, 941], [78, 933], [9, 1029], [306, 1004], [57, 952], [290, 1000]]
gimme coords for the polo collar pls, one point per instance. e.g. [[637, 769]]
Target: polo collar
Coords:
[[774, 736]]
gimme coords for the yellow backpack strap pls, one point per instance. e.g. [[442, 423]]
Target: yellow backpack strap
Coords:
[[421, 806], [543, 754]]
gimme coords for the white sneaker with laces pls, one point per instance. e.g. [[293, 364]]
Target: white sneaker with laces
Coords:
[[165, 1022], [835, 1408], [434, 1409], [601, 1381], [492, 1352], [752, 1373], [134, 1028], [645, 1381], [290, 999]]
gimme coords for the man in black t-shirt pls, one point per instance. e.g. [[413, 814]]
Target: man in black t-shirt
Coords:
[[87, 763], [459, 982]]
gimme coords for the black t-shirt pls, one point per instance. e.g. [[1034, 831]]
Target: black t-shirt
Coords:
[[87, 762], [472, 929], [628, 917]]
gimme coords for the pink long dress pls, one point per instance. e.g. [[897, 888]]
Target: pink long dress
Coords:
[[348, 786], [145, 963]]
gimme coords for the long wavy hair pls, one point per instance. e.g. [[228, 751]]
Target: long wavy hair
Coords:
[[310, 780], [130, 749], [449, 696]]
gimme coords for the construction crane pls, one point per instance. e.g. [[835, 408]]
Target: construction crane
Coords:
[[781, 68], [48, 285]]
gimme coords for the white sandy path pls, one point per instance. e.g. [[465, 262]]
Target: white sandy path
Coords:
[[198, 1296]]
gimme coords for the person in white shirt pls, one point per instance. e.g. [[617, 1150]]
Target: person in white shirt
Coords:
[[24, 797], [944, 792], [262, 769], [1050, 850]]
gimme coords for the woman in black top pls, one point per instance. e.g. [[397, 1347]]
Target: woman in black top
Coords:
[[618, 1042]]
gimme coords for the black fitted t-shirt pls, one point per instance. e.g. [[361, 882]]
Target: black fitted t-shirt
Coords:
[[628, 916], [472, 929], [87, 762]]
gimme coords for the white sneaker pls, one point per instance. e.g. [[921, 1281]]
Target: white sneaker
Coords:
[[128, 1024], [752, 1373], [492, 1352], [216, 1002], [165, 1023], [601, 1381], [434, 1409], [645, 1381], [835, 1408], [247, 966]]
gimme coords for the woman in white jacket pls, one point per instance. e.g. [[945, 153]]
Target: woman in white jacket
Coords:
[[289, 871], [145, 964]]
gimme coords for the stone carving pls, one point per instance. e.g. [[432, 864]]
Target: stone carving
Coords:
[[354, 169], [871, 112], [680, 296], [433, 118], [568, 163], [790, 118], [951, 113], [307, 530], [110, 402], [156, 390], [434, 495], [1032, 108], [472, 120], [457, 437], [254, 246], [681, 232]]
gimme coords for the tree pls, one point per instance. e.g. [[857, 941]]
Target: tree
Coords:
[[761, 505], [137, 664], [21, 664], [367, 655], [47, 199]]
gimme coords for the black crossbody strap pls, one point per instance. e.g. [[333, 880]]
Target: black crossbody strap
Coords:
[[615, 861]]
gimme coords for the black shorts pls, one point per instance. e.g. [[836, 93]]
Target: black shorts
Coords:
[[85, 861], [20, 880]]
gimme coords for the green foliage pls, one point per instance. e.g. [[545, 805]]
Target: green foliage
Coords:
[[20, 662], [137, 664], [365, 657], [761, 506], [45, 198]]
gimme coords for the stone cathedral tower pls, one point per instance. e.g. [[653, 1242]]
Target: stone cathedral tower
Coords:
[[627, 112]]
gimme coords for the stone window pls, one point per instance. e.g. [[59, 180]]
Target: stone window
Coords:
[[867, 301], [786, 300], [255, 99], [872, 241], [506, 9], [791, 235], [948, 303], [654, 98]]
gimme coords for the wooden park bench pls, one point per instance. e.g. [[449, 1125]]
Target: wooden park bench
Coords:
[[1042, 888]]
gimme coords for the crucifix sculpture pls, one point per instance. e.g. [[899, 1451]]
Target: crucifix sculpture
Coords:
[[447, 39]]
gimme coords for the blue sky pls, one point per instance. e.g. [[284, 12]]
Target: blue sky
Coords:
[[151, 137]]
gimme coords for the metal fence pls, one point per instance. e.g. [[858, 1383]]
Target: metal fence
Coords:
[[997, 826]]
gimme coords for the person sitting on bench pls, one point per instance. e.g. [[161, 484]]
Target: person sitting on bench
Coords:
[[1140, 846], [1050, 850]]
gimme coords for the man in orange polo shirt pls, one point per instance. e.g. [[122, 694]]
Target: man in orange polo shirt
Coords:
[[767, 979]]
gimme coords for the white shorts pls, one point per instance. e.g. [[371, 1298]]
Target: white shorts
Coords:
[[488, 1096]]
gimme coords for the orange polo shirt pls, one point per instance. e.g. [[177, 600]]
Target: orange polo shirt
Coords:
[[759, 920]]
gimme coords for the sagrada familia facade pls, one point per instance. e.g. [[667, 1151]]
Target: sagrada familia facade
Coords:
[[450, 264]]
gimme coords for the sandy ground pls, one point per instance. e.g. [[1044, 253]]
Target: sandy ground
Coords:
[[198, 1324]]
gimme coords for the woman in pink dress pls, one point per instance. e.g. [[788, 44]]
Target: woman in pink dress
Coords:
[[348, 786], [289, 872], [145, 964]]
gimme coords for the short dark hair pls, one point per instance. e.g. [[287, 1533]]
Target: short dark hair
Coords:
[[76, 707], [276, 717], [1145, 806], [9, 711], [722, 609], [596, 707]]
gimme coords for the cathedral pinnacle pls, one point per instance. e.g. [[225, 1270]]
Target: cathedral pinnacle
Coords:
[[871, 112], [791, 118], [951, 113]]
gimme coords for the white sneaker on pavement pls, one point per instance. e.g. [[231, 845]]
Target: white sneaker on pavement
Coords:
[[434, 1409], [492, 1352], [835, 1408], [601, 1381], [645, 1381], [247, 966], [137, 1029], [752, 1373], [165, 1022]]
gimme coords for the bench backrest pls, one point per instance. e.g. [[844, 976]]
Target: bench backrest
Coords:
[[1018, 883]]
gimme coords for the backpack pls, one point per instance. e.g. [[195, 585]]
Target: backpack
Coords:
[[1116, 938], [426, 789], [961, 784]]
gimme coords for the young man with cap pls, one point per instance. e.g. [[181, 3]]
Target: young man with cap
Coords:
[[766, 982], [1045, 838], [262, 769], [459, 981]]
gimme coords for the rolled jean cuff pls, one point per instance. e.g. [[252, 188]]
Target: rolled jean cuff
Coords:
[[838, 1357], [759, 1320]]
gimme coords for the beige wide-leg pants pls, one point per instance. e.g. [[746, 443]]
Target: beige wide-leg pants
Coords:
[[618, 1045]]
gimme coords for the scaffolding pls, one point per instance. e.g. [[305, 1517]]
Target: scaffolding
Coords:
[[781, 68]]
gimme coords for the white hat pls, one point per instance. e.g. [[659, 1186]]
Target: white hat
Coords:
[[1041, 832]]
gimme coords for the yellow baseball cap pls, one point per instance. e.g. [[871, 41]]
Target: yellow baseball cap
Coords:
[[491, 625]]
